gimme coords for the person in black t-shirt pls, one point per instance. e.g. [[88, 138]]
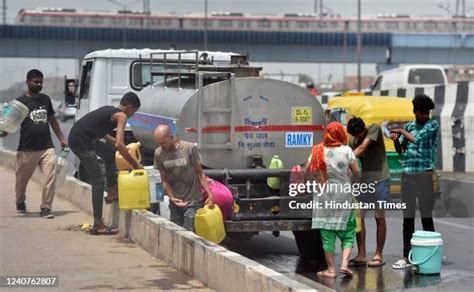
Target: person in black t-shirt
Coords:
[[36, 147], [84, 140]]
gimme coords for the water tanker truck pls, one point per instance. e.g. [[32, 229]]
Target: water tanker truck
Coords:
[[239, 121]]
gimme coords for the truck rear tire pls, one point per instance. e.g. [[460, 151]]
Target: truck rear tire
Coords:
[[241, 236], [309, 245]]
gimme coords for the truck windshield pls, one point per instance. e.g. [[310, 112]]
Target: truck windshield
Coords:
[[141, 76], [85, 80], [425, 76]]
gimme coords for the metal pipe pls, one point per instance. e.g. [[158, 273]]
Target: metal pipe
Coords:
[[257, 173]]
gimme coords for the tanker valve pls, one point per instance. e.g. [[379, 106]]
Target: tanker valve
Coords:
[[236, 208], [257, 162], [275, 210]]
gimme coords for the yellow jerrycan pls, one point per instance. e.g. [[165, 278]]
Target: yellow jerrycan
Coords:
[[134, 150], [209, 224], [133, 190], [276, 163]]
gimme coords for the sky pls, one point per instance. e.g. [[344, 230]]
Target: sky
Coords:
[[13, 70]]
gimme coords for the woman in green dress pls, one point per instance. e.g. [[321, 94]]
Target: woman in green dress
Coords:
[[333, 163]]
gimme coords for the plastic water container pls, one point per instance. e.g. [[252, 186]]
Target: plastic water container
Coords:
[[61, 167], [154, 184], [134, 151], [426, 252], [13, 115], [276, 163], [133, 190], [208, 224], [221, 196]]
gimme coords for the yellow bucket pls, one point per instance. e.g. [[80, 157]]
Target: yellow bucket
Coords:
[[134, 151], [133, 190], [209, 224]]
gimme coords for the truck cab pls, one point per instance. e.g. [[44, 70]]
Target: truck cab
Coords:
[[106, 75]]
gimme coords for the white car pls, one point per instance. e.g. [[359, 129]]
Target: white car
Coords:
[[65, 113]]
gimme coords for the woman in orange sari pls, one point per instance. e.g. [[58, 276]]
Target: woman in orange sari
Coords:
[[333, 163]]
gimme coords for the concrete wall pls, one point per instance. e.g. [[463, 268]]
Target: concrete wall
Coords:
[[214, 265]]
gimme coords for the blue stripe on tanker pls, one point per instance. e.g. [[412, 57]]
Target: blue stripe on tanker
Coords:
[[150, 122]]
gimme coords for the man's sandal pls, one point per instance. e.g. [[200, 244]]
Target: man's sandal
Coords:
[[346, 272], [105, 231], [110, 200], [376, 263], [401, 264]]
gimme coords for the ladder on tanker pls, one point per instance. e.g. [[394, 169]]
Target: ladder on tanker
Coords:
[[178, 64]]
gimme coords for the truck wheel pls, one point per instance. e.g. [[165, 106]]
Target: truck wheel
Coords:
[[309, 245], [241, 236]]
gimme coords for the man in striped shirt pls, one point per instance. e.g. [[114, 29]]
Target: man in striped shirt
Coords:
[[416, 144]]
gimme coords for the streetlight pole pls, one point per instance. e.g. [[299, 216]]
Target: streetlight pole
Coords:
[[4, 11], [359, 47], [344, 52], [124, 18], [321, 9], [205, 25]]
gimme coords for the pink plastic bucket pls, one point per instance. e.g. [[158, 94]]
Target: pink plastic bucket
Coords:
[[222, 197]]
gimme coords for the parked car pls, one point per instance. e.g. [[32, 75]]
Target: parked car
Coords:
[[411, 76]]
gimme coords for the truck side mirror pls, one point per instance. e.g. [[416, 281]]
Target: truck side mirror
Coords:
[[70, 91]]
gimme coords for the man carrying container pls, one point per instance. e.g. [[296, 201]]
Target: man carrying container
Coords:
[[84, 141], [416, 144], [36, 147], [182, 176]]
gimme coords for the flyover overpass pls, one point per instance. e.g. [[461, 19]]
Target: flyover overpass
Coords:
[[72, 42]]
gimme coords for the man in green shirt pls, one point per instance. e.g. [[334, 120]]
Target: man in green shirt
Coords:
[[416, 144], [369, 147]]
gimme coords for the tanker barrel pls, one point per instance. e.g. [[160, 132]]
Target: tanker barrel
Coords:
[[240, 118], [256, 173]]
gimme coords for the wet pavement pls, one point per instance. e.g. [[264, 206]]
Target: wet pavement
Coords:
[[457, 273]]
